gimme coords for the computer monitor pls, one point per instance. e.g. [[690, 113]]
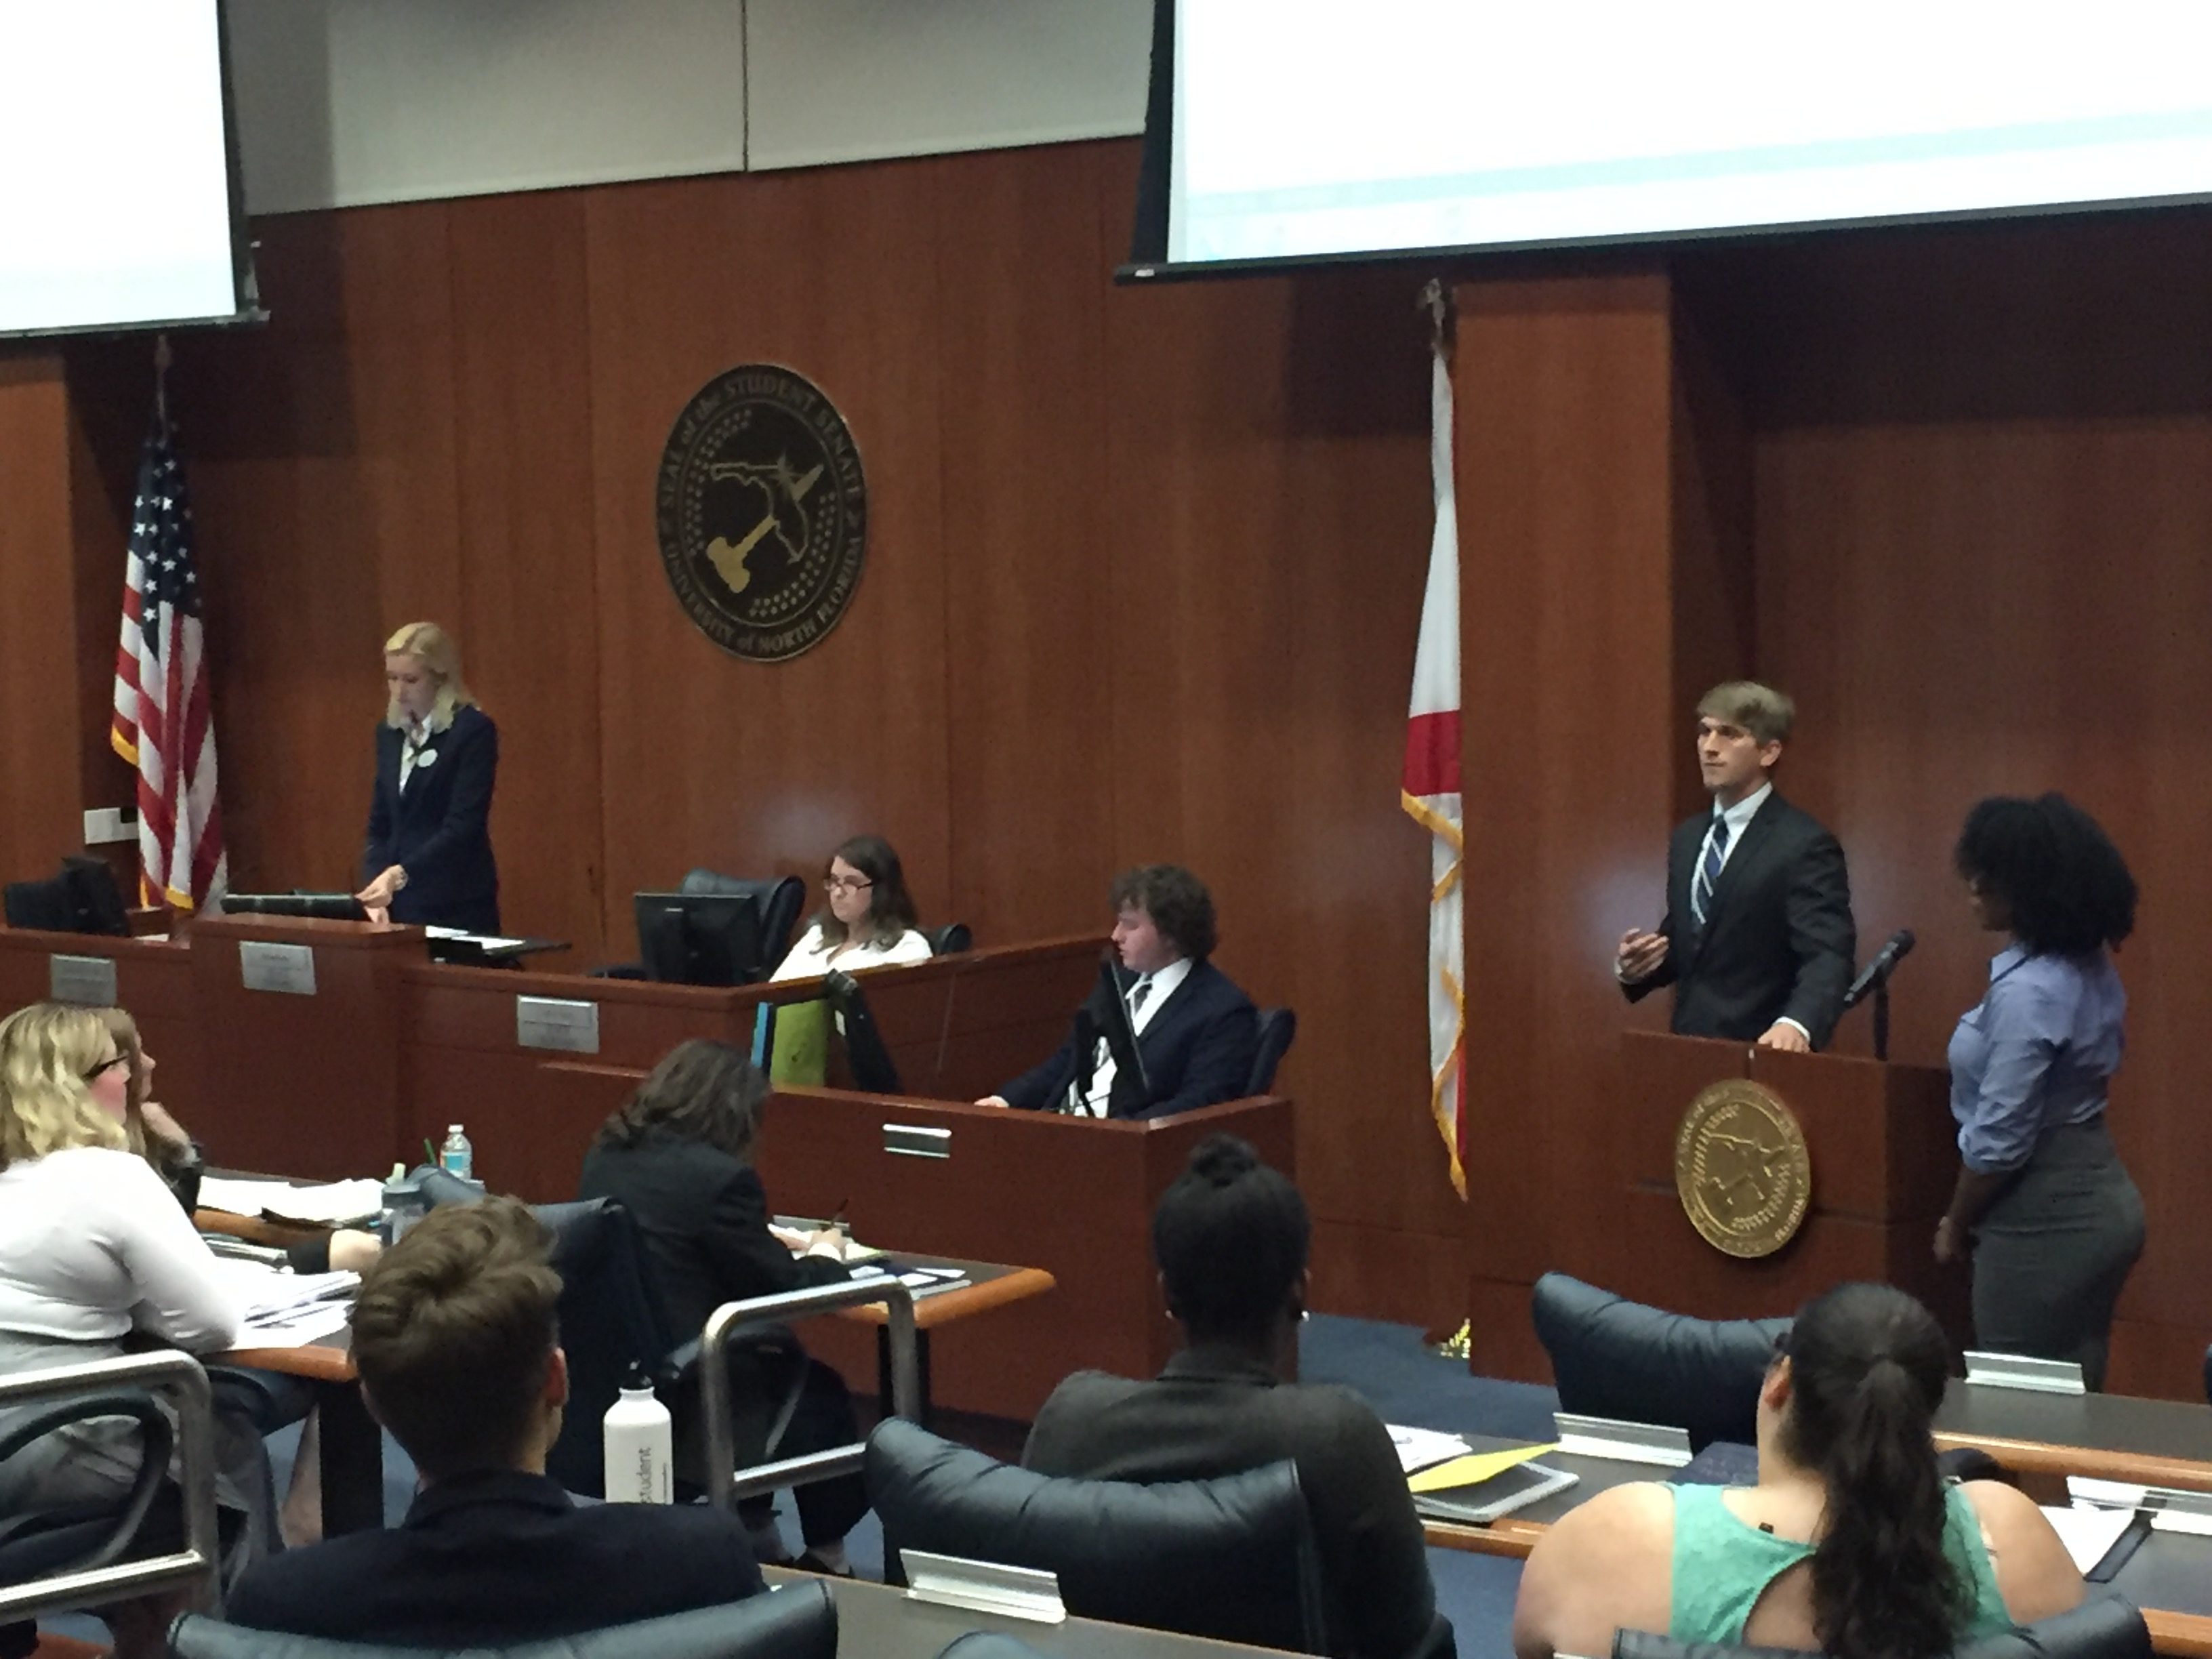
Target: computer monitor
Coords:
[[699, 939], [330, 907], [853, 1030]]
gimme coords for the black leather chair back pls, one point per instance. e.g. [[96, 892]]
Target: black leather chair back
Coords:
[[1613, 1357], [1231, 1559], [1277, 1027], [778, 899], [799, 1621], [610, 1322], [949, 940], [2104, 1627]]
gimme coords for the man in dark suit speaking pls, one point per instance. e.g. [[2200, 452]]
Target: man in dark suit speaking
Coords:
[[1195, 1033], [1758, 940]]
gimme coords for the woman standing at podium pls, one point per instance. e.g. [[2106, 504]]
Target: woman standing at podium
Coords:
[[427, 857], [2043, 1203]]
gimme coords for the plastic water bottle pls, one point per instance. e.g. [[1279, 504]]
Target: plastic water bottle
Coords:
[[457, 1157], [638, 1438], [403, 1203]]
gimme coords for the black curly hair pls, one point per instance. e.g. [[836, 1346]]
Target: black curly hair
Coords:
[[1230, 1235], [2066, 886]]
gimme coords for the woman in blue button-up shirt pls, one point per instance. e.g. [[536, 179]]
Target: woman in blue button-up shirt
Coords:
[[2054, 1220]]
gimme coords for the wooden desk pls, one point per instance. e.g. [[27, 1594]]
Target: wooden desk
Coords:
[[349, 1446], [1072, 1196], [2106, 1437], [153, 980]]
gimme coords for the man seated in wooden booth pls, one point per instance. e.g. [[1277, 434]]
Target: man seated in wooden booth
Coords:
[[453, 1336], [1164, 1031]]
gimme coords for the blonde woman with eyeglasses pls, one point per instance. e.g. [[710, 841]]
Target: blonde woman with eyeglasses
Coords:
[[867, 920], [94, 1252]]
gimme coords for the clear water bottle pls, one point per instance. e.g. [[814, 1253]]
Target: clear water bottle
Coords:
[[457, 1157], [639, 1442]]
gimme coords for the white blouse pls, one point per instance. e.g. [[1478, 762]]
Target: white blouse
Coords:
[[92, 1246], [811, 956]]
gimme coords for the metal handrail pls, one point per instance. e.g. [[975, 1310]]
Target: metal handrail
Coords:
[[195, 1567], [725, 1483]]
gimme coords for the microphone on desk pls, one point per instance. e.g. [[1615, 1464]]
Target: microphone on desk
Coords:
[[1877, 973]]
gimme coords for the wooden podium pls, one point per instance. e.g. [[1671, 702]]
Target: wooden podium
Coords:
[[1883, 1152]]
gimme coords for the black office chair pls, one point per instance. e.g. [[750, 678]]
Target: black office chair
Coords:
[[950, 941], [2105, 1627], [1618, 1358], [99, 1539], [799, 1621], [1277, 1026], [1231, 1559], [83, 899]]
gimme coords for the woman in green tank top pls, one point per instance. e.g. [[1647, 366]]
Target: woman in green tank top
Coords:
[[1851, 1542]]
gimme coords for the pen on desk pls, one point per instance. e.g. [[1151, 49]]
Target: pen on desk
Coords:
[[837, 1220]]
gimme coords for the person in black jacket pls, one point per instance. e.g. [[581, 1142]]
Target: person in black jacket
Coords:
[[427, 857], [1758, 940], [1231, 1236], [1196, 1033], [453, 1335], [678, 1156]]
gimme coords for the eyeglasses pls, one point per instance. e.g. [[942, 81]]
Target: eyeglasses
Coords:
[[107, 1066], [845, 884]]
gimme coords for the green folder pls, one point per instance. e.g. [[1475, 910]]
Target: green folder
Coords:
[[800, 1053]]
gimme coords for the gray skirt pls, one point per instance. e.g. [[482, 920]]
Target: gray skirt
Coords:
[[2051, 1253]]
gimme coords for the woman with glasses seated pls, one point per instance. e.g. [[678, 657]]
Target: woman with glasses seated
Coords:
[[1850, 1543], [95, 1257], [868, 921]]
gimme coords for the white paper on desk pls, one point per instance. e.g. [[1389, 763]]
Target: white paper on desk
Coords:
[[1420, 1449], [2088, 1533], [301, 1328], [272, 1296], [332, 1205]]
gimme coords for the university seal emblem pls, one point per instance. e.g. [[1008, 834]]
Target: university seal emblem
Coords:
[[1741, 1170], [762, 511]]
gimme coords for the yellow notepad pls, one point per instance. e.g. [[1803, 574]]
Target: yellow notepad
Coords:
[[1474, 1468]]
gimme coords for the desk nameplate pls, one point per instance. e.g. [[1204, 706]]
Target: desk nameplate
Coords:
[[87, 981], [917, 1140], [264, 966], [563, 1023]]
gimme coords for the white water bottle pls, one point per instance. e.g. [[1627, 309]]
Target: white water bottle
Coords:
[[639, 1456], [457, 1157]]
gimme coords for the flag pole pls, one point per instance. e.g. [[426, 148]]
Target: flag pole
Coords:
[[162, 360]]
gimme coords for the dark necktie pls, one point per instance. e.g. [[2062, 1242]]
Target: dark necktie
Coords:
[[1144, 989], [1708, 872]]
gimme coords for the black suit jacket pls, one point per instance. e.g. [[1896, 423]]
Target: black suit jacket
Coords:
[[439, 828], [1198, 1050], [703, 1217], [1212, 1413], [1779, 941], [485, 1560]]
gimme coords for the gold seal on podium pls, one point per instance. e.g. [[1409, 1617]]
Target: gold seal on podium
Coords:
[[1741, 1170]]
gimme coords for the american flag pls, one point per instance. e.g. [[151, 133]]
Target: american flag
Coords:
[[161, 721]]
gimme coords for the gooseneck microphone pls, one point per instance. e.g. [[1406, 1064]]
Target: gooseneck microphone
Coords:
[[1877, 973]]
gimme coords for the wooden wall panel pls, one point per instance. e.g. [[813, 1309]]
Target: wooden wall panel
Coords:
[[709, 760], [40, 796], [528, 611]]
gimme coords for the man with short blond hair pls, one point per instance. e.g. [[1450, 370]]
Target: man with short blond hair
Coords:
[[454, 1338], [1758, 940]]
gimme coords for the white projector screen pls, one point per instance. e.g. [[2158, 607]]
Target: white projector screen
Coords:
[[1304, 130], [115, 175]]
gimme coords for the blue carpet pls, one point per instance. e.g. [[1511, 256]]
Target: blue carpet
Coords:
[[1388, 1365]]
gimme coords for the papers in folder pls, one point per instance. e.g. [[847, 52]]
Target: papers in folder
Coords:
[[333, 1205], [288, 1311]]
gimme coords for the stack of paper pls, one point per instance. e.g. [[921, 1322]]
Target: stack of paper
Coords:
[[331, 1206], [1418, 1448], [2088, 1533], [286, 1309]]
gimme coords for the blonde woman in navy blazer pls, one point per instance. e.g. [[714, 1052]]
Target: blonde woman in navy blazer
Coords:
[[427, 856]]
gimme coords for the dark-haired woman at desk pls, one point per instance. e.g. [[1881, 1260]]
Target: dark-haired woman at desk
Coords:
[[427, 857], [2054, 1219], [1851, 1542], [677, 1155], [868, 920]]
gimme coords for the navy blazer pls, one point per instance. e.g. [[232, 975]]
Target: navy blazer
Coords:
[[489, 1560], [1779, 940], [439, 828], [1198, 1050]]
